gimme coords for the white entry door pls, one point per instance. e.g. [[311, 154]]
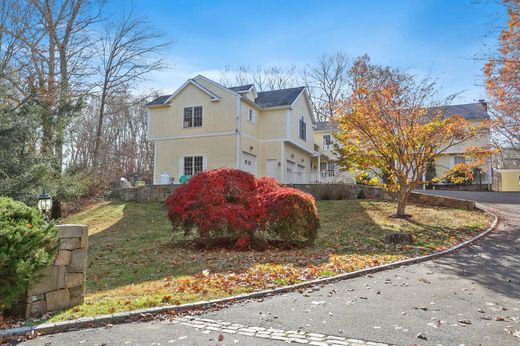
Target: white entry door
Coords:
[[270, 169], [248, 163]]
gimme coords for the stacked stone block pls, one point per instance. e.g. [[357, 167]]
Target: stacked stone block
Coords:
[[61, 285], [440, 201]]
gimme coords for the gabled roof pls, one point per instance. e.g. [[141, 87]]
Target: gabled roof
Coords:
[[278, 98], [326, 125], [241, 88], [165, 99], [469, 111], [158, 101]]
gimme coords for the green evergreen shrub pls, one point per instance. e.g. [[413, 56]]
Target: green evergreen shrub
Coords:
[[27, 244]]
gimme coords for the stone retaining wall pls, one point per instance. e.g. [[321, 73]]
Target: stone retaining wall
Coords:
[[158, 193], [142, 194], [341, 191], [61, 285], [440, 201]]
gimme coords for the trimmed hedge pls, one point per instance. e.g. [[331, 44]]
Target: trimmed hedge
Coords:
[[27, 244], [233, 203]]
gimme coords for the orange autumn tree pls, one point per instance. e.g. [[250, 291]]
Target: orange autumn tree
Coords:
[[392, 125], [503, 80]]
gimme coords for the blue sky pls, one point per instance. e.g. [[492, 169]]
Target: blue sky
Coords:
[[437, 37]]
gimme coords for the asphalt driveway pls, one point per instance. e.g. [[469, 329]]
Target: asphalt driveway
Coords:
[[471, 297]]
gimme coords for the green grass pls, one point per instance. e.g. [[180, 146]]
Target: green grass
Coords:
[[133, 261]]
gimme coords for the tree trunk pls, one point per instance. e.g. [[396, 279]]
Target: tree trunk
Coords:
[[97, 145], [402, 201]]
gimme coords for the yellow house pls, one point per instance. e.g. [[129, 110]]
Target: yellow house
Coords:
[[475, 114], [205, 125]]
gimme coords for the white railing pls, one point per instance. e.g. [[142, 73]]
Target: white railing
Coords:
[[310, 177]]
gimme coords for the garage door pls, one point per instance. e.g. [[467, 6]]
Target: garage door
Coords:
[[248, 163]]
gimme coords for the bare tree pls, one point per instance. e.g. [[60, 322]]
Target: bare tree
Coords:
[[264, 79], [327, 81], [127, 52], [62, 26]]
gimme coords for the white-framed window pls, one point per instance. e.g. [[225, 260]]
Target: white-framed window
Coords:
[[460, 159], [193, 165], [328, 169], [192, 116], [251, 115], [327, 143], [302, 127]]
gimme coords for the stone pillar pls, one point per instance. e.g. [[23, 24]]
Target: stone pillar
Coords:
[[62, 284]]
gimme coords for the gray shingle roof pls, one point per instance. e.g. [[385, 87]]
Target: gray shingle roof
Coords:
[[158, 101], [277, 98], [326, 125], [241, 88], [470, 111]]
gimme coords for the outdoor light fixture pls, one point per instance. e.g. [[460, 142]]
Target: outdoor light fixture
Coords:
[[44, 202]]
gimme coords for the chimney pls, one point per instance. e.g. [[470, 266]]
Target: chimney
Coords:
[[484, 104]]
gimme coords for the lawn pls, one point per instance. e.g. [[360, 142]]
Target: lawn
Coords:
[[135, 261]]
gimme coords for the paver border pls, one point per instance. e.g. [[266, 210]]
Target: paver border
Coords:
[[90, 322]]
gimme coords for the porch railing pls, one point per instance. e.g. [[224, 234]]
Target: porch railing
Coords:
[[310, 177]]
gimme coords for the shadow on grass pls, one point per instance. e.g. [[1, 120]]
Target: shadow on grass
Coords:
[[136, 245]]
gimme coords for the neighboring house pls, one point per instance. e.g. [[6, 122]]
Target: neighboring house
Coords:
[[475, 114], [506, 174], [325, 141], [205, 125]]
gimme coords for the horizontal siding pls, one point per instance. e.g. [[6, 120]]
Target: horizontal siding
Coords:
[[218, 116], [301, 109], [219, 152]]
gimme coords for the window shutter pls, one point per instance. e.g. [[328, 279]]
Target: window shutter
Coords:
[[204, 162]]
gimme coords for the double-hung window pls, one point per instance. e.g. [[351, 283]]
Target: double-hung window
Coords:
[[193, 165], [459, 160], [327, 144], [302, 129], [193, 116]]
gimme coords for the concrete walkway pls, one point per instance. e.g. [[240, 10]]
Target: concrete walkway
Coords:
[[471, 297]]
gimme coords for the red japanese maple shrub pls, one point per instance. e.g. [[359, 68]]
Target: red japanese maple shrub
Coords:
[[232, 203], [214, 203], [289, 213]]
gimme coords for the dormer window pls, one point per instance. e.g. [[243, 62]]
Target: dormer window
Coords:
[[302, 129], [192, 116], [251, 116]]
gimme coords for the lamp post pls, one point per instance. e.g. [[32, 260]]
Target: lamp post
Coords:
[[44, 202]]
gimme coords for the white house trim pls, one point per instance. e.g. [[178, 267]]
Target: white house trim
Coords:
[[288, 140], [209, 81], [305, 93], [148, 124], [283, 168], [213, 96], [299, 146], [214, 134], [154, 180], [238, 133]]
